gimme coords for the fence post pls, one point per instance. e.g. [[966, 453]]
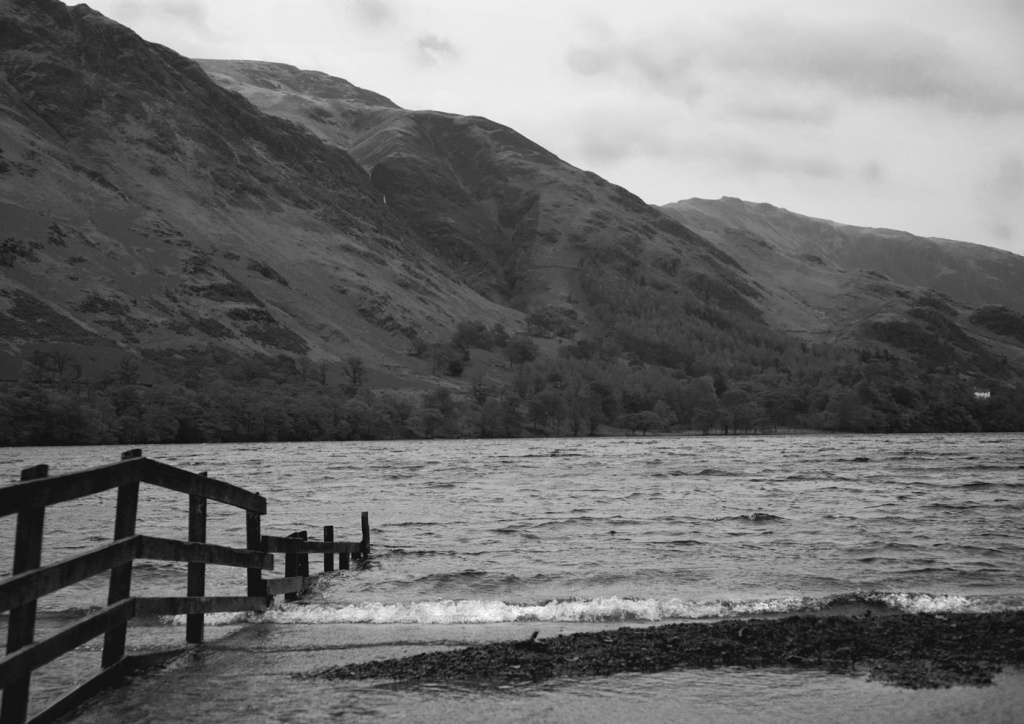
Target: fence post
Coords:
[[196, 571], [328, 557], [291, 569], [364, 548], [254, 542], [121, 576], [21, 623], [303, 557]]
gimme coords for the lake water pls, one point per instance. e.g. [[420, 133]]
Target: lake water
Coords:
[[479, 540]]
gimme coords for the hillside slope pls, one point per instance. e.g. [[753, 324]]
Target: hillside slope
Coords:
[[245, 250], [515, 220], [144, 207], [591, 258], [971, 273]]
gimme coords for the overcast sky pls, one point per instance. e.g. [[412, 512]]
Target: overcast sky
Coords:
[[906, 114]]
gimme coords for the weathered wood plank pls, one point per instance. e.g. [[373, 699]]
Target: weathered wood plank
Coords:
[[196, 582], [21, 623], [277, 544], [42, 491], [121, 576], [38, 582], [110, 676], [291, 584], [164, 549], [182, 481], [291, 567], [254, 542], [31, 657], [304, 555], [192, 605], [364, 551], [328, 557]]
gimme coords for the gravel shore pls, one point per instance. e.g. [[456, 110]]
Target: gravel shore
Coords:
[[907, 650]]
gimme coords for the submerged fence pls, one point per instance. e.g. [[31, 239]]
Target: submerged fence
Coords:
[[29, 580]]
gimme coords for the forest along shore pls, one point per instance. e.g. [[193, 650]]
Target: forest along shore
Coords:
[[907, 650]]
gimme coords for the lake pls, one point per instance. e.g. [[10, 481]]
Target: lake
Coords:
[[484, 539]]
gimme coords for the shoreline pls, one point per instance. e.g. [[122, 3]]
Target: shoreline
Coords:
[[917, 651]]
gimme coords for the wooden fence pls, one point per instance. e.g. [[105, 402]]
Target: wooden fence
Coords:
[[29, 580]]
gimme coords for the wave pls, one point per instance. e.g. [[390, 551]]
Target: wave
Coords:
[[614, 609], [751, 516]]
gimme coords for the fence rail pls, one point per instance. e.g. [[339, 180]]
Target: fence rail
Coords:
[[29, 580]]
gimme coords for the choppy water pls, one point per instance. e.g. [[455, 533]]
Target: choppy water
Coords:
[[597, 530]]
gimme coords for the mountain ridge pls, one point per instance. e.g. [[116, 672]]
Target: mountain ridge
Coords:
[[220, 224], [945, 265]]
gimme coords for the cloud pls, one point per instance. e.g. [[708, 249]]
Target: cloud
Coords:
[[589, 61], [1001, 197], [191, 12], [871, 60], [607, 139], [873, 173], [664, 64], [867, 60], [372, 14], [432, 50], [1002, 231], [1007, 185], [781, 111]]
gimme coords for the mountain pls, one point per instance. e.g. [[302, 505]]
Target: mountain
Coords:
[[516, 221], [246, 250], [974, 274], [145, 208], [855, 285], [529, 230]]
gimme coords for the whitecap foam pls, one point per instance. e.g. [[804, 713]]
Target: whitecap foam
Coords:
[[444, 612], [610, 609], [949, 603]]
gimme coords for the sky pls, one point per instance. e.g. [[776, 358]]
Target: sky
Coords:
[[903, 114]]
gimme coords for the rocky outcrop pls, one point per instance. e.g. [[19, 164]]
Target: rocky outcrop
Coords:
[[909, 650]]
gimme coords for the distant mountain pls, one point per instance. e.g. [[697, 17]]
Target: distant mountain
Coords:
[[232, 226], [971, 273], [516, 221]]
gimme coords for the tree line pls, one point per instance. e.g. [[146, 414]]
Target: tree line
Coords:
[[589, 387]]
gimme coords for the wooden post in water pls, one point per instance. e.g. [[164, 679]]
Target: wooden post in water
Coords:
[[21, 623], [303, 557], [121, 576], [328, 556], [364, 548], [196, 571], [291, 569], [254, 542]]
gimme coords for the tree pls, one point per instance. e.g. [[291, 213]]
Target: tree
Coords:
[[127, 371], [355, 369], [499, 335], [521, 349], [39, 366], [443, 356], [455, 367], [472, 334], [479, 390], [418, 347], [547, 408], [60, 361]]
